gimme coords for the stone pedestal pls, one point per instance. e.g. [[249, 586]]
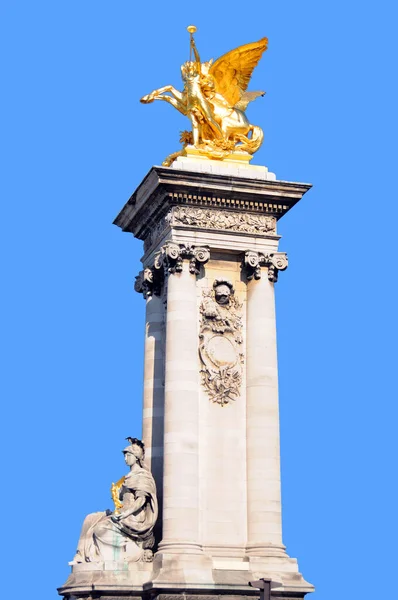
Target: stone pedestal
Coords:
[[210, 413]]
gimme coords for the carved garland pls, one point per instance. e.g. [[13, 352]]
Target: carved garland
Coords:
[[211, 218], [253, 261], [223, 220]]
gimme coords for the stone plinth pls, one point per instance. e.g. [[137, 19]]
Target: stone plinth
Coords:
[[210, 411]]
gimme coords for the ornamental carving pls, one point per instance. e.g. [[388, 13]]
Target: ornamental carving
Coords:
[[253, 261], [157, 231], [171, 257], [147, 283], [220, 342], [224, 220], [169, 260]]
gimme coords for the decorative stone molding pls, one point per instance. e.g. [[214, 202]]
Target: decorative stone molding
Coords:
[[169, 260], [156, 232], [220, 342], [273, 206], [214, 217], [223, 220], [172, 255], [253, 261], [146, 283], [186, 596]]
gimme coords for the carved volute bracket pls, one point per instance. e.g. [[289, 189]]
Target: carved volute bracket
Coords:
[[171, 257], [275, 261], [169, 261], [149, 282]]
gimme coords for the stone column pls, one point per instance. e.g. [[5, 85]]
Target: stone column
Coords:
[[152, 427], [262, 428], [153, 396], [149, 283], [181, 416]]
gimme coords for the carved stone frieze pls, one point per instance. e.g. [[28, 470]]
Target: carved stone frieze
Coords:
[[218, 219], [275, 261], [220, 341], [223, 220], [156, 231]]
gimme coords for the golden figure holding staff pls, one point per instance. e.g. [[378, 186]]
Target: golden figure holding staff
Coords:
[[214, 98]]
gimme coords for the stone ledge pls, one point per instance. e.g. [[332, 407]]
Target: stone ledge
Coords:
[[164, 186], [222, 167]]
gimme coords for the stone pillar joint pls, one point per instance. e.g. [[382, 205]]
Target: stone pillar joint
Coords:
[[275, 261]]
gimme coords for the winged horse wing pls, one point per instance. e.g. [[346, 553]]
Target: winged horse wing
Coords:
[[233, 70]]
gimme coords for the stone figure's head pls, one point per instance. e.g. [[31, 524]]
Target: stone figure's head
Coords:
[[222, 291], [135, 449]]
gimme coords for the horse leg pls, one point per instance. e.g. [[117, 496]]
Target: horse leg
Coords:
[[168, 88], [180, 106], [235, 124], [157, 94]]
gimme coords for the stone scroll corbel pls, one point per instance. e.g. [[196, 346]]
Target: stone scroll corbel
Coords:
[[169, 260], [275, 261], [199, 256], [171, 257], [145, 283]]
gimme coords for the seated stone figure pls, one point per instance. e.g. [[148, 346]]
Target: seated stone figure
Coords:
[[125, 535]]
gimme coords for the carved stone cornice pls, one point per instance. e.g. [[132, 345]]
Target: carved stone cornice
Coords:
[[164, 188], [167, 261], [275, 261]]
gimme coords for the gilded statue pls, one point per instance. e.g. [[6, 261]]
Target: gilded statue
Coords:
[[127, 532], [215, 98]]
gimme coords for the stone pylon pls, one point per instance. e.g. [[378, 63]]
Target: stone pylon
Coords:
[[210, 407]]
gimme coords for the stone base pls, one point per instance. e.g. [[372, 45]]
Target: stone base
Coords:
[[235, 157], [190, 577], [188, 593], [228, 166], [106, 578]]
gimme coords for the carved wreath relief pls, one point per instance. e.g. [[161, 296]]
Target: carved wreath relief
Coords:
[[220, 342]]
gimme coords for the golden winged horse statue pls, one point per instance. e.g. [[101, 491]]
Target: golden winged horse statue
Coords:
[[214, 98]]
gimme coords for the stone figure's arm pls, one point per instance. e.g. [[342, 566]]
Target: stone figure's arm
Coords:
[[138, 504], [209, 309]]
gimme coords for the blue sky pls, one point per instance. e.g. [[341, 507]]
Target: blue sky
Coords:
[[75, 144]]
